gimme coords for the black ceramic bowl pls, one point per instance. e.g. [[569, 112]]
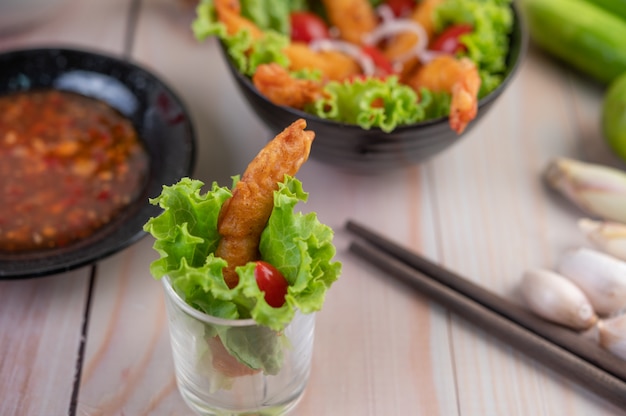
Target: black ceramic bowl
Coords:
[[157, 114], [357, 150]]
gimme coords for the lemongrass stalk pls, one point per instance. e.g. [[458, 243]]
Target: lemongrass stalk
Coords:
[[608, 236], [596, 189]]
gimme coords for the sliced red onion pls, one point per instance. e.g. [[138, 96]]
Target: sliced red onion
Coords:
[[386, 13], [390, 27], [364, 60]]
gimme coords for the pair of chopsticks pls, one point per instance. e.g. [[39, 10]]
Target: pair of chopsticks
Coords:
[[563, 350]]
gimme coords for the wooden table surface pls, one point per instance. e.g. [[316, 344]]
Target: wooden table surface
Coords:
[[94, 341]]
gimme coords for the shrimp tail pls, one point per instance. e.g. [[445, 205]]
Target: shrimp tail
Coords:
[[460, 78], [275, 82], [464, 105]]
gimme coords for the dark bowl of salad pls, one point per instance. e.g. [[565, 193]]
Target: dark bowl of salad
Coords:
[[374, 103]]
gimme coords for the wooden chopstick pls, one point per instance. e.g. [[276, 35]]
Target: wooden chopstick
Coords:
[[563, 350]]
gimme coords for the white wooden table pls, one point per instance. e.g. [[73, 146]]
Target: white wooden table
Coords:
[[94, 341]]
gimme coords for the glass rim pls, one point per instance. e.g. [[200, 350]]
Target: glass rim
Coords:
[[190, 310]]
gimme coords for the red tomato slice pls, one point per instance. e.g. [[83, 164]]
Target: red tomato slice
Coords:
[[448, 41], [383, 65], [271, 281], [401, 8], [306, 27]]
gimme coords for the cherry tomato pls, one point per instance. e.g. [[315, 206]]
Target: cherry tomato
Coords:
[[383, 66], [271, 281], [401, 7], [306, 27], [448, 41]]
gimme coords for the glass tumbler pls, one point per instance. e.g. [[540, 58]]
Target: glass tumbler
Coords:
[[210, 356]]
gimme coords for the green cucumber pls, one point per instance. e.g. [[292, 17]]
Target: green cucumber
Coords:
[[580, 33], [614, 116], [616, 7]]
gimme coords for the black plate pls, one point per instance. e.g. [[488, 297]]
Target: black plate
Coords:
[[156, 112]]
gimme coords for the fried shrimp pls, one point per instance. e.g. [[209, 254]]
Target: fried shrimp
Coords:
[[460, 78], [353, 18], [275, 82], [333, 65], [244, 216], [402, 44]]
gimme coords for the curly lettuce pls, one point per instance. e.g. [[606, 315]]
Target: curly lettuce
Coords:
[[186, 237], [245, 53], [488, 44], [373, 102]]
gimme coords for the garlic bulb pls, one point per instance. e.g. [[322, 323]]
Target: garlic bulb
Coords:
[[555, 298], [607, 236], [600, 276], [612, 335], [596, 189]]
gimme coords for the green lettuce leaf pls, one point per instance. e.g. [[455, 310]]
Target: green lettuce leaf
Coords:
[[488, 44], [206, 23], [301, 248], [268, 14], [245, 53], [187, 230], [369, 103], [266, 50], [298, 245], [383, 103], [257, 347]]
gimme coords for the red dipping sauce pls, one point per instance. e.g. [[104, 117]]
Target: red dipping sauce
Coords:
[[68, 165]]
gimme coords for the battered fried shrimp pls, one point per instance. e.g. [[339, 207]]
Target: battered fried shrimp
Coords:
[[275, 82], [229, 13], [457, 76], [353, 18], [244, 216], [333, 65], [423, 15]]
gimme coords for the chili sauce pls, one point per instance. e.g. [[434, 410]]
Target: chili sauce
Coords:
[[68, 165]]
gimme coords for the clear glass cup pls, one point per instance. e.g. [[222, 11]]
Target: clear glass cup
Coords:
[[213, 382]]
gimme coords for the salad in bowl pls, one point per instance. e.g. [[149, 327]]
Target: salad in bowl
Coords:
[[370, 63]]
